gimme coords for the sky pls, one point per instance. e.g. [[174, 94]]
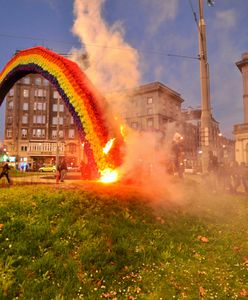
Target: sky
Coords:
[[134, 42]]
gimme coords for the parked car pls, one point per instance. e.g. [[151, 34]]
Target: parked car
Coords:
[[189, 170], [73, 169], [47, 168]]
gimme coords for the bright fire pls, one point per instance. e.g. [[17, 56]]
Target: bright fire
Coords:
[[123, 131], [109, 175], [108, 146]]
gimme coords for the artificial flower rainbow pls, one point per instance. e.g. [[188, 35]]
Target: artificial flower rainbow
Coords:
[[87, 106]]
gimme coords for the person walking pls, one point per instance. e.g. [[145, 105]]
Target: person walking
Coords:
[[62, 170], [5, 172]]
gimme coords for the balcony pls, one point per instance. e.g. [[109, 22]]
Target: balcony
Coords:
[[45, 149]]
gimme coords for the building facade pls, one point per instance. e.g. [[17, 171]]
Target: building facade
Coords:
[[38, 126], [221, 147], [152, 106], [241, 130]]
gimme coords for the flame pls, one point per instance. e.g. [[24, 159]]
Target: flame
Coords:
[[108, 175], [108, 146], [123, 130]]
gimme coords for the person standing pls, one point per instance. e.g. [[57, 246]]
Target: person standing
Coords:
[[244, 176], [213, 170], [5, 172]]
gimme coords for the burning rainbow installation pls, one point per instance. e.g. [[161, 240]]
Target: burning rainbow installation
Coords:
[[98, 130]]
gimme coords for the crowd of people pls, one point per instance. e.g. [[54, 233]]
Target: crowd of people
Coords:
[[227, 176], [221, 176]]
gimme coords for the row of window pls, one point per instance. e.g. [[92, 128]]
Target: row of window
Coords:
[[37, 106], [149, 123], [149, 100], [41, 132], [40, 119], [37, 81], [37, 93]]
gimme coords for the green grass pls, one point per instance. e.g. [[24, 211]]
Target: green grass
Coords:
[[60, 243]]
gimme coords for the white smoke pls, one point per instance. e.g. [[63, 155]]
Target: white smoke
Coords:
[[113, 63], [114, 66]]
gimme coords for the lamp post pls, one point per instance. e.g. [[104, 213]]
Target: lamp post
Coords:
[[57, 142], [206, 129]]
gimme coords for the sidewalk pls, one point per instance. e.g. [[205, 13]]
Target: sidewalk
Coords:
[[49, 178]]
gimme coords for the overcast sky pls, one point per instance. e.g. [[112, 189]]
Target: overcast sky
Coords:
[[146, 33]]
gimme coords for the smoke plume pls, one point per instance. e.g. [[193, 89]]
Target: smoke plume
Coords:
[[113, 63]]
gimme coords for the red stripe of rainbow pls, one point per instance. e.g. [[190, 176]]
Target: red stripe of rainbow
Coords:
[[87, 106]]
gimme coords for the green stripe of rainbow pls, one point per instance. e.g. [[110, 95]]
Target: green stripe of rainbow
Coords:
[[88, 107]]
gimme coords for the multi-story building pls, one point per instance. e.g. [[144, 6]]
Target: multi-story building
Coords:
[[38, 126], [222, 147], [241, 130], [152, 106]]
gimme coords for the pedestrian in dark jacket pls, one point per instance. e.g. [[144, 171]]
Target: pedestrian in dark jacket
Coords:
[[62, 170], [5, 172], [244, 176]]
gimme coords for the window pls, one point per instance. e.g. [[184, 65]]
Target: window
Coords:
[[39, 119], [9, 133], [38, 132], [26, 80], [55, 121], [150, 123], [10, 104], [61, 133], [149, 111], [25, 106], [38, 81], [134, 125], [24, 132], [11, 92], [55, 95], [72, 121], [40, 93], [25, 119], [54, 134], [149, 100], [10, 120], [45, 82], [39, 106], [24, 148], [61, 107], [25, 93], [71, 133]]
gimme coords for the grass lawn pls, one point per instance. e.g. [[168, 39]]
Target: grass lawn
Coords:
[[66, 243]]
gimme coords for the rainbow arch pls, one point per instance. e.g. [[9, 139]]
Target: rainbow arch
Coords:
[[88, 107]]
